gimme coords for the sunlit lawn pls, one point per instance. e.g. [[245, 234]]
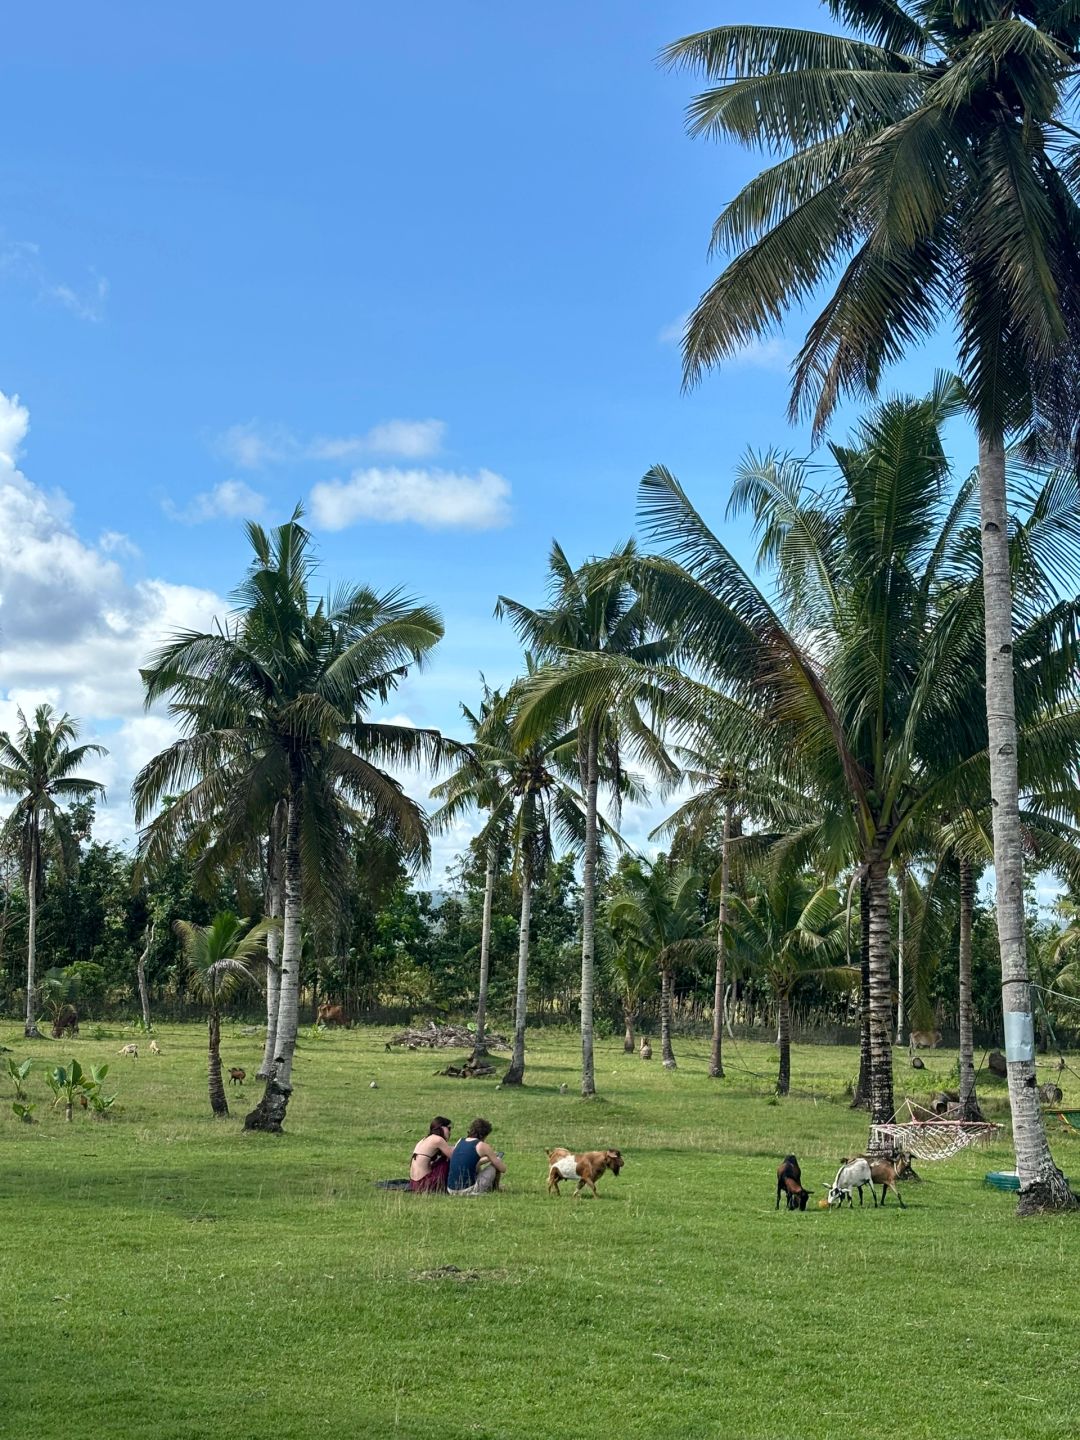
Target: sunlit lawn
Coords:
[[167, 1276]]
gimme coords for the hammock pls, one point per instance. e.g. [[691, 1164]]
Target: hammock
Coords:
[[927, 1136]]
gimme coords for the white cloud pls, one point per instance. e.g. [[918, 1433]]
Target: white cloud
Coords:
[[672, 333], [231, 500], [20, 261], [253, 446], [773, 353], [74, 630], [115, 542], [435, 499]]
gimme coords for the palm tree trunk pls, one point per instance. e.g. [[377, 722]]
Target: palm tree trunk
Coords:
[[882, 1105], [900, 960], [30, 1031], [783, 1080], [588, 907], [969, 1100], [1042, 1185], [861, 1098], [516, 1073], [716, 1061], [140, 975], [666, 1052], [275, 904], [480, 1048], [269, 1114], [628, 1021], [218, 1104]]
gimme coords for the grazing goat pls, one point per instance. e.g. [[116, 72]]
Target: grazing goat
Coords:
[[237, 1076], [586, 1168], [886, 1173], [925, 1039], [789, 1184], [66, 1022], [852, 1175], [646, 1049], [155, 1048], [132, 1050]]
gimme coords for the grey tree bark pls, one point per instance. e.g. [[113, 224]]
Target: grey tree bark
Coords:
[[588, 907], [666, 1052], [269, 1114], [515, 1075], [900, 959], [861, 1098], [882, 1104], [30, 1030], [218, 1103], [1042, 1185], [275, 904], [628, 1023], [969, 1100], [140, 975], [783, 1079], [716, 1059], [485, 952]]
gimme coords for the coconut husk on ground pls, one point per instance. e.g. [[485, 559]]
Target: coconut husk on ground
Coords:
[[443, 1037]]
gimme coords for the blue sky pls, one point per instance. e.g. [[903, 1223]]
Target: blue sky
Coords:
[[388, 260]]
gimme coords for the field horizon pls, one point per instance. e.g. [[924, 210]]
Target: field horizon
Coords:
[[176, 1277]]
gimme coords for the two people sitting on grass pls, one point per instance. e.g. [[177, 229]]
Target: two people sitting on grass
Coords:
[[475, 1168], [430, 1164]]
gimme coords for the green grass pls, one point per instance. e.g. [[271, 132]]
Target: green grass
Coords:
[[166, 1276]]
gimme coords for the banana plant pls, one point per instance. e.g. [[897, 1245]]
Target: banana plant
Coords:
[[17, 1074], [69, 1085]]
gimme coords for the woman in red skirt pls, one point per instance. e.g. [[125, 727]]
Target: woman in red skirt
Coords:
[[431, 1159]]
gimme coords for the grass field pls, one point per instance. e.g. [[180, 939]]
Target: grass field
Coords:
[[166, 1276]]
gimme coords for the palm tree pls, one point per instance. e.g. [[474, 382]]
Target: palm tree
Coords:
[[634, 967], [856, 687], [789, 929], [483, 786], [661, 905], [219, 958], [274, 706], [38, 765], [593, 610], [721, 799], [932, 164], [523, 787]]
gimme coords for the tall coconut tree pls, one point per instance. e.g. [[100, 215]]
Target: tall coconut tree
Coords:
[[219, 958], [928, 174], [594, 610], [38, 765], [525, 788], [474, 782], [275, 705], [857, 673], [788, 929], [661, 904]]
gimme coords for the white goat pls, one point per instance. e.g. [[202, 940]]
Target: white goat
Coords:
[[852, 1175]]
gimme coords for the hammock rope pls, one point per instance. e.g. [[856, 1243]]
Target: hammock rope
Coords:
[[929, 1137]]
